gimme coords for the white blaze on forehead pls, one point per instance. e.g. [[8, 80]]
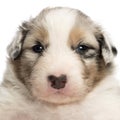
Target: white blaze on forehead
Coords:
[[59, 23]]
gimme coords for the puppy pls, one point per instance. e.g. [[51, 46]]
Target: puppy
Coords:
[[60, 68]]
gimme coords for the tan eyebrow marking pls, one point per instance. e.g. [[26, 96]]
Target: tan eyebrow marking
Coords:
[[76, 36], [37, 34]]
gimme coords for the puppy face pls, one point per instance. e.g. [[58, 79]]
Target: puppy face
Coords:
[[60, 55]]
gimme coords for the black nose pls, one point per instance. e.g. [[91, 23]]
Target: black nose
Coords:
[[57, 82]]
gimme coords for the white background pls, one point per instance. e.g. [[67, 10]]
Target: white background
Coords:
[[13, 12]]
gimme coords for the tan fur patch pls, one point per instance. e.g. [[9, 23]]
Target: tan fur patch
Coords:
[[37, 34], [94, 73], [76, 36]]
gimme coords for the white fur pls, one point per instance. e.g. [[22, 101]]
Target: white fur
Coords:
[[102, 103]]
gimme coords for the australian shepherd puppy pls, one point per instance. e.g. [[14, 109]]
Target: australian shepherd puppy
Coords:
[[60, 68]]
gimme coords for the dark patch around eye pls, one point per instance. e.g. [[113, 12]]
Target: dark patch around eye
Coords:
[[86, 51], [102, 44], [90, 54]]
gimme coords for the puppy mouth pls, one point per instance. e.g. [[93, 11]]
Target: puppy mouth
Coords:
[[60, 93], [62, 96]]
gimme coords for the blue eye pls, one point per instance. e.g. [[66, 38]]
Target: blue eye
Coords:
[[38, 48], [82, 48]]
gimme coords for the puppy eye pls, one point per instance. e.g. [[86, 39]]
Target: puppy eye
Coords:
[[38, 48], [82, 48]]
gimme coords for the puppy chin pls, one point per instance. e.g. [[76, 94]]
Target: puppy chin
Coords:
[[61, 99], [57, 98]]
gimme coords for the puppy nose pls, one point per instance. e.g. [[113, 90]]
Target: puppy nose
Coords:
[[57, 82]]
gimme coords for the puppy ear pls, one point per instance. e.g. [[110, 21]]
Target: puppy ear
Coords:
[[14, 49], [107, 50]]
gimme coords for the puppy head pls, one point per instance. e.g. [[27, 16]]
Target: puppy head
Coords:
[[60, 55]]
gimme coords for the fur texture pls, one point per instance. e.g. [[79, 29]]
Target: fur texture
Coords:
[[60, 42]]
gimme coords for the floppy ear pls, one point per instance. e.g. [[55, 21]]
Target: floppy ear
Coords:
[[14, 49], [107, 50]]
